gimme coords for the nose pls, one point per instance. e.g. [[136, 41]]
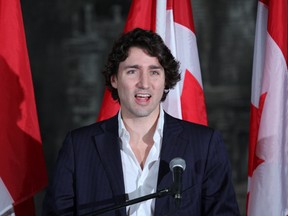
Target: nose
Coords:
[[143, 81]]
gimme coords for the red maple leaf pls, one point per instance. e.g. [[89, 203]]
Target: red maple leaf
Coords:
[[255, 116]]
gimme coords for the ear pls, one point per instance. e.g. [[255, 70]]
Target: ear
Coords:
[[113, 81]]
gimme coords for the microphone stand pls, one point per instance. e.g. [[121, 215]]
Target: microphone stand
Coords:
[[157, 194]]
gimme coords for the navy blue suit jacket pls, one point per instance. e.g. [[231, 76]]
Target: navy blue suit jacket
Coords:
[[89, 175]]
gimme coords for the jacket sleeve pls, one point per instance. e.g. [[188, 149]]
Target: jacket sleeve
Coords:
[[218, 196], [59, 199]]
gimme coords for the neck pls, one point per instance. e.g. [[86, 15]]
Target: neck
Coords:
[[141, 125], [141, 131]]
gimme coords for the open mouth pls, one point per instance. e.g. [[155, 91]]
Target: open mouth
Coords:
[[143, 96]]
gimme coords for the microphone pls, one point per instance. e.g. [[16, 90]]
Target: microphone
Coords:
[[177, 166]]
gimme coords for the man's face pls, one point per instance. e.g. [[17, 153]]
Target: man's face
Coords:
[[140, 82]]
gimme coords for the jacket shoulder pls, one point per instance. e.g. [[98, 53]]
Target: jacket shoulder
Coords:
[[96, 128], [188, 126]]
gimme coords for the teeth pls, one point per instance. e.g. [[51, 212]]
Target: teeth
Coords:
[[143, 95]]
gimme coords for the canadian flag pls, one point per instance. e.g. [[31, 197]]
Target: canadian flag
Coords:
[[22, 165], [268, 147], [173, 21]]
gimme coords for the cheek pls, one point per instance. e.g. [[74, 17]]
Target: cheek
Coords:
[[123, 88], [161, 86]]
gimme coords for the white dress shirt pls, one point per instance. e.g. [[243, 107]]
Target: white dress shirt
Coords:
[[140, 182]]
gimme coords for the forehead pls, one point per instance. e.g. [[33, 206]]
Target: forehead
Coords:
[[138, 55], [133, 49]]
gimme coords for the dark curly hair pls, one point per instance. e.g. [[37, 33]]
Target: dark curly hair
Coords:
[[151, 43]]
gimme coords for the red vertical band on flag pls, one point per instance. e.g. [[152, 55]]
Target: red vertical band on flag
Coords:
[[109, 106], [25, 208], [278, 22], [183, 13], [192, 98], [142, 14], [22, 165]]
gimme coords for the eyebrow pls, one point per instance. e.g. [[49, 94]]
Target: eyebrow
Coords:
[[155, 67], [137, 67], [131, 66]]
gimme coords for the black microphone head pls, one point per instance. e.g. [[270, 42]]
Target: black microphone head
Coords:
[[177, 162]]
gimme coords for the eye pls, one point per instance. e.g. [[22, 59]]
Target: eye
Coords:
[[131, 72], [155, 72]]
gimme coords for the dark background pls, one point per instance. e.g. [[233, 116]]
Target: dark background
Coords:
[[68, 43]]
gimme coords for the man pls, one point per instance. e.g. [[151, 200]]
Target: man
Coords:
[[128, 156]]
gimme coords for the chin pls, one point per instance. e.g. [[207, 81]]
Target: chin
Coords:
[[143, 113]]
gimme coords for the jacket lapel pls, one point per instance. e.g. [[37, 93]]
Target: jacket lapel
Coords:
[[107, 144], [173, 145]]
